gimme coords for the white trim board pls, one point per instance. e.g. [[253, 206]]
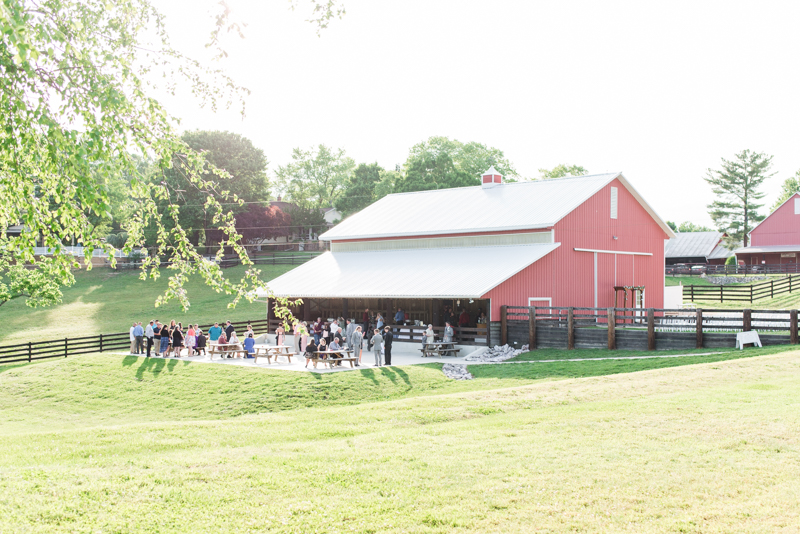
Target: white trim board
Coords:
[[626, 253], [548, 299]]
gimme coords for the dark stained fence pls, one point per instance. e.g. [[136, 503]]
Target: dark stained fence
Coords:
[[696, 269], [747, 293], [62, 348], [643, 329]]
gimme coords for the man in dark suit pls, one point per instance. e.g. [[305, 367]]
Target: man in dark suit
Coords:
[[387, 345]]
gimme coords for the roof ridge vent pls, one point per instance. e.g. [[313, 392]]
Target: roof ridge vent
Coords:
[[491, 178]]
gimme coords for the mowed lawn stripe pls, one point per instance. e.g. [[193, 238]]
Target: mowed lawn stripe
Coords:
[[704, 448]]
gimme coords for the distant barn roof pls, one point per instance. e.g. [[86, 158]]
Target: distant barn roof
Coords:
[[510, 206], [696, 244]]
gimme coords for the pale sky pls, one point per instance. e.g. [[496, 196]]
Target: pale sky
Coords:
[[658, 90]]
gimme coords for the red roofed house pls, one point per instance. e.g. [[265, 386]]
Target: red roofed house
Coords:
[[776, 239], [561, 242]]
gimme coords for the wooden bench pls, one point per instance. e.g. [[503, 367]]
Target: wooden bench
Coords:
[[223, 353], [426, 352], [272, 353]]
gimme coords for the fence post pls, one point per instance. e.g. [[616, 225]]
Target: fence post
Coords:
[[612, 332], [793, 326], [570, 329], [101, 342], [651, 329], [531, 328], [30, 352], [503, 325], [65, 347], [691, 287], [751, 293], [790, 284], [722, 293], [746, 320], [699, 329], [772, 288]]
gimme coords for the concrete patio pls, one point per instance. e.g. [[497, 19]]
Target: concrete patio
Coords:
[[402, 354]]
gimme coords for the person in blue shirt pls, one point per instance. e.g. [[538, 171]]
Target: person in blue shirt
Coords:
[[214, 332], [249, 345], [399, 317], [138, 334]]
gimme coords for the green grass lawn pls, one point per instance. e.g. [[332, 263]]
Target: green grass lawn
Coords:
[[103, 443], [108, 301], [787, 301]]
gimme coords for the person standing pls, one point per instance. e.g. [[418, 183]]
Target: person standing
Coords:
[[133, 339], [148, 333], [164, 341], [448, 332], [177, 341], [348, 333], [365, 320], [229, 329], [157, 337], [190, 340], [387, 344], [214, 332], [377, 339], [379, 322], [429, 334], [138, 333], [280, 335], [296, 337], [317, 330], [357, 342], [399, 317]]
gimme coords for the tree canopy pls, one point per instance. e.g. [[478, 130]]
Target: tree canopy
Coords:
[[736, 186], [562, 170], [789, 187], [76, 85], [472, 158], [688, 226], [315, 178]]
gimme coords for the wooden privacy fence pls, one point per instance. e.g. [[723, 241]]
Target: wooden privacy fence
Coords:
[[464, 336], [61, 348], [747, 293], [642, 329]]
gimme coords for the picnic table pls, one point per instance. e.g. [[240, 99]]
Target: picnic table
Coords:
[[330, 359], [273, 351], [224, 349], [440, 348]]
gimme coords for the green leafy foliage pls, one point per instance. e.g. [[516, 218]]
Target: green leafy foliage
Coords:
[[736, 185], [688, 226], [562, 170], [360, 189], [315, 178], [789, 187]]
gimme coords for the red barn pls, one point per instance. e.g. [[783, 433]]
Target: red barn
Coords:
[[562, 242], [776, 239]]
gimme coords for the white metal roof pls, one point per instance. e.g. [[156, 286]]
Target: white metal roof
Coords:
[[720, 252], [423, 273], [766, 249], [510, 206], [692, 244]]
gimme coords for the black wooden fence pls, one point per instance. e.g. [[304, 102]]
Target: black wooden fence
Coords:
[[744, 293], [61, 348], [642, 329], [696, 269]]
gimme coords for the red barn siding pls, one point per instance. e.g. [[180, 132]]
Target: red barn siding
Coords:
[[567, 276], [782, 227]]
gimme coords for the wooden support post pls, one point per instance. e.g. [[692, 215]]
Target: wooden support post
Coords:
[[269, 312], [746, 315], [772, 288], [691, 298], [699, 329], [30, 352], [570, 329], [651, 329], [531, 328], [66, 347], [101, 342], [503, 325], [793, 326], [345, 311], [612, 331]]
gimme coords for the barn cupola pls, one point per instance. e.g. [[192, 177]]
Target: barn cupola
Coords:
[[491, 178]]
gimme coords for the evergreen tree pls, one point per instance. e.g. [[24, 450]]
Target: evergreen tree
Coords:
[[736, 185], [789, 188]]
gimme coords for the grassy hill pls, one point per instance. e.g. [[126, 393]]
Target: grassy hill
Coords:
[[99, 443], [108, 301]]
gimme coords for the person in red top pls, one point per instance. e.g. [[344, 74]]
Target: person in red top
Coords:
[[317, 330], [463, 319]]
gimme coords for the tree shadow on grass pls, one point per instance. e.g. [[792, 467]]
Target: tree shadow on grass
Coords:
[[393, 372], [370, 373]]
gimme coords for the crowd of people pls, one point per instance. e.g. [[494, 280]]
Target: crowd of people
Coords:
[[343, 334], [161, 339]]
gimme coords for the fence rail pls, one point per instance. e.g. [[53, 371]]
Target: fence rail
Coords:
[[642, 329], [747, 293], [697, 269], [61, 348]]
